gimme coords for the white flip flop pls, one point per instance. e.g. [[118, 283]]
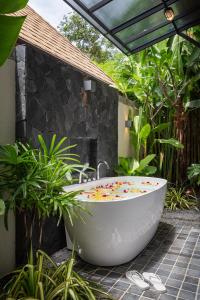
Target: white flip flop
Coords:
[[137, 278], [155, 281]]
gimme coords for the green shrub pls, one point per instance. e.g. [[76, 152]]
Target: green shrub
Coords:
[[194, 173], [177, 199], [44, 280]]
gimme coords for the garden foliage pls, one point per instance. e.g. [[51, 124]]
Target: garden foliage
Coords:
[[44, 280], [165, 81], [32, 181], [194, 174], [177, 198]]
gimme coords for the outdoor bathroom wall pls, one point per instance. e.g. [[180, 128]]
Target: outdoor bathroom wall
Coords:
[[51, 100], [124, 142], [7, 135]]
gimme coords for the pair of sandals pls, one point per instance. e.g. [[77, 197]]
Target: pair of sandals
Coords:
[[145, 280]]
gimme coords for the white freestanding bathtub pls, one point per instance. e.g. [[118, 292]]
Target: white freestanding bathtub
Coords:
[[116, 231]]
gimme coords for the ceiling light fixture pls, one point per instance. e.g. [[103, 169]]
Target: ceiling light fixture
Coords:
[[169, 14]]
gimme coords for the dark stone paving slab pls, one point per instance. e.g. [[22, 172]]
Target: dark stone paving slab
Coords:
[[173, 254]]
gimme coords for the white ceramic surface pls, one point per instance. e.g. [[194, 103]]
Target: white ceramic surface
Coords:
[[116, 231]]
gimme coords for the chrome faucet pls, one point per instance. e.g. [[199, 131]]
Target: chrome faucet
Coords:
[[101, 162]]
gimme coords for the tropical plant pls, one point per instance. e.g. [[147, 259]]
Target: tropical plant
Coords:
[[176, 198], [194, 173], [34, 181], [44, 280], [164, 80], [139, 163], [141, 132], [10, 26], [130, 167]]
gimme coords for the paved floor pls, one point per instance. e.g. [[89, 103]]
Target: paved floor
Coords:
[[173, 254]]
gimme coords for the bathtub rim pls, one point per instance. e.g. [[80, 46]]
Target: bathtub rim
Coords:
[[77, 187]]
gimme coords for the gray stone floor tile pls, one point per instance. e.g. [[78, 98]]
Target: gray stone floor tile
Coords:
[[189, 287], [128, 296], [163, 272], [168, 262], [172, 290], [151, 294], [191, 279], [167, 297], [120, 285], [116, 293], [186, 295], [193, 273], [181, 264], [174, 283], [177, 276], [133, 289], [194, 267]]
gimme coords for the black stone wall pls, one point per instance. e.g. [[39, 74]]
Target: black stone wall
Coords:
[[50, 99]]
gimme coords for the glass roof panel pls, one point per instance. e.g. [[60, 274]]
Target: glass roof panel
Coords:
[[90, 3], [153, 22], [136, 24], [117, 12], [151, 36], [142, 26]]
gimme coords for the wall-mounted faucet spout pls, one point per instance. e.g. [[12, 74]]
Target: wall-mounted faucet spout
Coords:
[[101, 162]]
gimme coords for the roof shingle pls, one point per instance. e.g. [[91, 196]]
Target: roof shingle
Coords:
[[39, 33]]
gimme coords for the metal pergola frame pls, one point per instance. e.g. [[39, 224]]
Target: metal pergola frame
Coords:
[[88, 14]]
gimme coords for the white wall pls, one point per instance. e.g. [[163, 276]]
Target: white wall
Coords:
[[124, 141], [7, 135]]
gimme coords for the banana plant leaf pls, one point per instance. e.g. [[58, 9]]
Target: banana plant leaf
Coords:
[[173, 142], [10, 6], [194, 56], [150, 170], [10, 26], [145, 162], [135, 165], [145, 131], [161, 127]]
